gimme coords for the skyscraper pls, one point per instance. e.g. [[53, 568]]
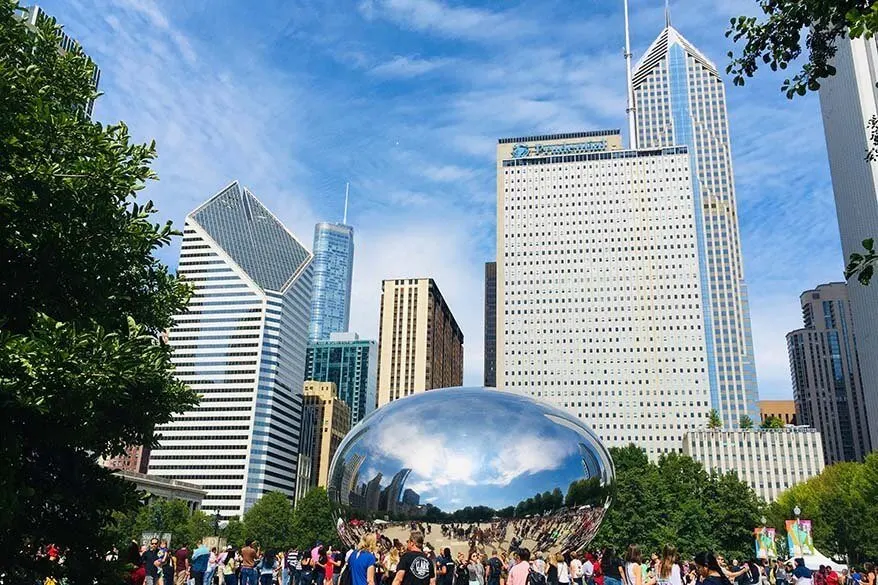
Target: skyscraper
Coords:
[[490, 372], [333, 421], [847, 100], [241, 346], [679, 100], [420, 345], [333, 270], [351, 364], [598, 286], [825, 367]]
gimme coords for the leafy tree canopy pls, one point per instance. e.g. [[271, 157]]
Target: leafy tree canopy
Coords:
[[312, 520], [773, 422], [270, 521], [745, 422], [713, 420], [83, 371]]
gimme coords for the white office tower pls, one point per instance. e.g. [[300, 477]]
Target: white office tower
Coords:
[[599, 296], [848, 100], [241, 346], [679, 99]]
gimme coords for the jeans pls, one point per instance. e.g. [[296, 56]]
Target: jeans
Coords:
[[266, 579], [249, 576], [197, 575], [230, 579], [611, 581], [208, 576]]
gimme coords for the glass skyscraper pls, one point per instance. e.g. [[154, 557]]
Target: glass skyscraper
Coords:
[[679, 99], [333, 269], [241, 346], [350, 362]]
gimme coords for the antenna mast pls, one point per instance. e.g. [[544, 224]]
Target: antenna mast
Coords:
[[347, 188], [632, 133]]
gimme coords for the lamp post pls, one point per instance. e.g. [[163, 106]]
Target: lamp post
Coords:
[[797, 511]]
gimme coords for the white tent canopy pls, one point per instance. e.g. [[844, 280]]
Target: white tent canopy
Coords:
[[814, 561]]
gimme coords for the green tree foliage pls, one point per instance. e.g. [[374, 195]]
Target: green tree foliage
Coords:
[[233, 532], [840, 502], [777, 41], [677, 501], [713, 420], [164, 516], [83, 371], [312, 520], [270, 521], [745, 422], [773, 422]]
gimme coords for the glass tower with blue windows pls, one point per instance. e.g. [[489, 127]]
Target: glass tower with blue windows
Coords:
[[679, 99], [241, 346], [333, 269], [352, 364]]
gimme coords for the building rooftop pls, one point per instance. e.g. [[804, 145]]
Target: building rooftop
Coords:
[[565, 136]]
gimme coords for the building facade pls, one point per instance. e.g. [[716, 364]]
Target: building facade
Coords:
[[351, 364], [163, 488], [331, 422], [679, 99], [848, 100], [490, 371], [420, 345], [770, 461], [34, 15], [241, 346], [135, 459], [825, 369], [599, 295], [785, 410], [333, 271]]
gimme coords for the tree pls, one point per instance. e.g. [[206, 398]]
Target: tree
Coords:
[[777, 41], [233, 532], [83, 370], [773, 422], [745, 422], [270, 521], [713, 420], [312, 520]]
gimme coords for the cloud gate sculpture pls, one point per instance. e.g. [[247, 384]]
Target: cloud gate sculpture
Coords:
[[473, 468]]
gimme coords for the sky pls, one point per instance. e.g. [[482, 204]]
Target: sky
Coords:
[[405, 99]]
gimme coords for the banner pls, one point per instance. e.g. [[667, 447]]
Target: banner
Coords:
[[799, 538], [766, 547]]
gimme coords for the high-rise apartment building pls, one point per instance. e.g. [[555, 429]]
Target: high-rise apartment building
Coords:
[[490, 372], [241, 346], [599, 291], [34, 15], [135, 459], [770, 461], [848, 100], [825, 368], [420, 345], [331, 422], [351, 364], [785, 410], [333, 270], [679, 99]]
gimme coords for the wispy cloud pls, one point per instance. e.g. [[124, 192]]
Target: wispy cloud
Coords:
[[402, 66]]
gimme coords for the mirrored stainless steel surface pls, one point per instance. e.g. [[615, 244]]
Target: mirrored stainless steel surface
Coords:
[[472, 467]]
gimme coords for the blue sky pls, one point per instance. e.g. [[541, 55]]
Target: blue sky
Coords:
[[406, 99]]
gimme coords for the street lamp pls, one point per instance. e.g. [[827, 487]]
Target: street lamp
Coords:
[[763, 520], [797, 511]]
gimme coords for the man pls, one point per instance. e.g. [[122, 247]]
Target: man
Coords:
[[248, 564], [518, 574], [181, 566], [575, 568], [292, 566], [150, 558], [493, 570], [198, 566], [588, 570], [414, 567]]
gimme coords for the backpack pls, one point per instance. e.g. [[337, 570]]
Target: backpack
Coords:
[[534, 578], [345, 578]]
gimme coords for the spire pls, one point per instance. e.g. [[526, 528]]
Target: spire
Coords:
[[347, 189], [667, 14], [632, 134]]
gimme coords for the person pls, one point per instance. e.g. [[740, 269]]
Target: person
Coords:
[[136, 572], [292, 567], [588, 570], [248, 564], [494, 569], [802, 575], [230, 564], [612, 567], [212, 564], [552, 570], [329, 565], [598, 575], [539, 565], [445, 568], [150, 561], [306, 573], [709, 571], [869, 575], [781, 576], [668, 571], [475, 570], [519, 572], [181, 565], [361, 563], [391, 563], [461, 574], [633, 573], [166, 564], [198, 566], [576, 573], [414, 567], [267, 566], [831, 576], [563, 570]]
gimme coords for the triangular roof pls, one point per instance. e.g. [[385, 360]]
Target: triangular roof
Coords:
[[252, 237], [659, 49]]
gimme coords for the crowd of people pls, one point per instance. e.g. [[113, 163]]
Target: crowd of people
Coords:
[[378, 560]]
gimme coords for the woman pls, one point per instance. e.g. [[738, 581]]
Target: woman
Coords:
[[802, 575], [611, 567], [391, 562], [229, 567], [633, 573], [781, 577], [267, 567], [708, 570], [668, 569], [329, 565], [475, 570], [461, 575], [361, 563], [306, 575], [552, 570], [870, 574], [563, 569]]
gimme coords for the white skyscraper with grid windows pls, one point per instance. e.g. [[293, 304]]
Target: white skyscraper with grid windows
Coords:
[[241, 346], [679, 99]]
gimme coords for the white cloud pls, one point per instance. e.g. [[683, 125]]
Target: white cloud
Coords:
[[402, 66]]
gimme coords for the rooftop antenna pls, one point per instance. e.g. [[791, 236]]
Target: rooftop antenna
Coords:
[[632, 135], [347, 188], [667, 14]]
